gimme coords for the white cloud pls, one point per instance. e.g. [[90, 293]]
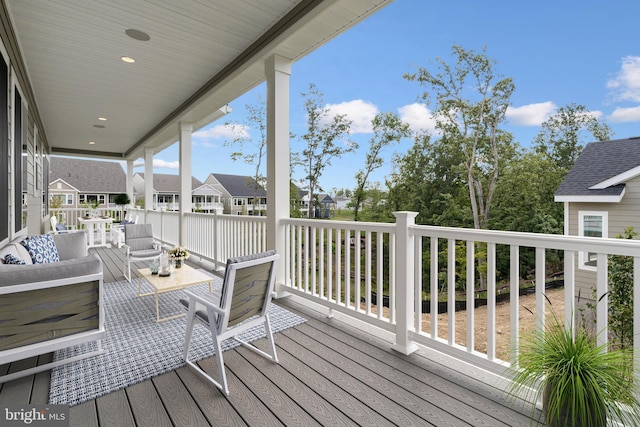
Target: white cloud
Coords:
[[220, 132], [625, 85], [531, 114], [623, 115], [418, 117], [358, 111], [158, 163]]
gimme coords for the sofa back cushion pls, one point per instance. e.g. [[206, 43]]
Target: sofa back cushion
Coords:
[[71, 245], [41, 248]]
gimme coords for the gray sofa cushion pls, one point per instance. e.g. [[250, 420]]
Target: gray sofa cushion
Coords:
[[71, 245], [19, 274]]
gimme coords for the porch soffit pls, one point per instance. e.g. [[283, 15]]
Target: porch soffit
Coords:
[[200, 57]]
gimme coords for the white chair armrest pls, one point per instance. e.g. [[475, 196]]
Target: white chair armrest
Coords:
[[205, 300]]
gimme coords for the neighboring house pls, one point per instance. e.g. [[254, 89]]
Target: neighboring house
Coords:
[[324, 208], [342, 202], [166, 190], [78, 182], [601, 196], [241, 195]]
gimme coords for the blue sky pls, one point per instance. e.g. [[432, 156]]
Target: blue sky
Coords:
[[557, 52]]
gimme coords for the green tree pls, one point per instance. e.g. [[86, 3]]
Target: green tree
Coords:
[[561, 134], [621, 295], [121, 200], [427, 180], [470, 102], [387, 129], [251, 149], [326, 138]]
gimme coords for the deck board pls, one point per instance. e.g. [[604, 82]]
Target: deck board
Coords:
[[330, 374]]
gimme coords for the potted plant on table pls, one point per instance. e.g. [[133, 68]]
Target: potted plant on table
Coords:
[[178, 254], [581, 383]]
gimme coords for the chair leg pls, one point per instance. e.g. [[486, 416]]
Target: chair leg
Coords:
[[272, 355], [222, 383], [127, 270]]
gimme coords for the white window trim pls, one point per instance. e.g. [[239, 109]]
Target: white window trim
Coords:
[[605, 233]]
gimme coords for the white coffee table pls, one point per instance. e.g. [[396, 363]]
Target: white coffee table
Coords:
[[180, 278]]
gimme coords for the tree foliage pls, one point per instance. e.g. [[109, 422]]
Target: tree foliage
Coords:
[[251, 149], [621, 295], [561, 134], [387, 129], [326, 138], [470, 102]]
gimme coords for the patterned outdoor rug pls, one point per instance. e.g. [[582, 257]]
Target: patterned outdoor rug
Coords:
[[137, 348]]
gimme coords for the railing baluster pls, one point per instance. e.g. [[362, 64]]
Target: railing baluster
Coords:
[[471, 282], [602, 305], [491, 301], [451, 291], [514, 299], [434, 287]]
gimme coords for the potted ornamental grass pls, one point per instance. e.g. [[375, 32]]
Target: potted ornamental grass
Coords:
[[582, 384]]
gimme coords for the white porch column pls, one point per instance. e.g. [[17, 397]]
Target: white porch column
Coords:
[[130, 182], [277, 70], [186, 129], [404, 282], [148, 179]]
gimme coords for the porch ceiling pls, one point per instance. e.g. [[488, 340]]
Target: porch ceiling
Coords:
[[200, 57]]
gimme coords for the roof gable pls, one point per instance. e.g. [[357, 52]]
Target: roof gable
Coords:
[[600, 172], [88, 176], [240, 185]]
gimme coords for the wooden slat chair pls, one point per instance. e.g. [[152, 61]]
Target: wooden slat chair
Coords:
[[139, 245], [247, 290]]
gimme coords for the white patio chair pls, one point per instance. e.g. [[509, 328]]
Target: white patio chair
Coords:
[[139, 245], [58, 228], [247, 290]]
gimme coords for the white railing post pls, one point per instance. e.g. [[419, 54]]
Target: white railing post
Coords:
[[405, 282]]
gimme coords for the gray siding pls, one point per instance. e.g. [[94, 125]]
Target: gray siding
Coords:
[[620, 216]]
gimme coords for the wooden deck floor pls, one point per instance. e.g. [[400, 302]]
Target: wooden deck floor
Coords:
[[330, 373]]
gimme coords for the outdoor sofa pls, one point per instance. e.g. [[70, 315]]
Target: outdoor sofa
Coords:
[[50, 304]]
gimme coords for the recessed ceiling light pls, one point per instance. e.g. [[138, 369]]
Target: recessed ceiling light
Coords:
[[102, 119], [128, 59], [99, 126], [138, 35], [92, 143]]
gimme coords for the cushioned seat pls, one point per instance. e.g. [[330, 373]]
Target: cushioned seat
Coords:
[[139, 245]]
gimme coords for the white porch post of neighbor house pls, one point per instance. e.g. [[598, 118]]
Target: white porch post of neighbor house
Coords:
[[129, 184], [278, 71], [186, 129], [404, 282], [148, 179]]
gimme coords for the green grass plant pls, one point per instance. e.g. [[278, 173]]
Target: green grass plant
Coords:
[[581, 383]]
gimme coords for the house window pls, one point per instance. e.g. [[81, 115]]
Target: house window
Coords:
[[91, 199], [591, 224]]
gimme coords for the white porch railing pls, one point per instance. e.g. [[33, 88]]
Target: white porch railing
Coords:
[[378, 273], [351, 266], [212, 237]]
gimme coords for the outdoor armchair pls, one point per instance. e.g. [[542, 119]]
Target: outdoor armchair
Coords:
[[247, 290], [139, 245]]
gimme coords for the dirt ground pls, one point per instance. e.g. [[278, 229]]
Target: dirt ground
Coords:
[[503, 323]]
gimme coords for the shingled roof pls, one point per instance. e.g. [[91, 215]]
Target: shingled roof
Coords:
[[600, 172], [88, 176], [168, 183], [240, 185]]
